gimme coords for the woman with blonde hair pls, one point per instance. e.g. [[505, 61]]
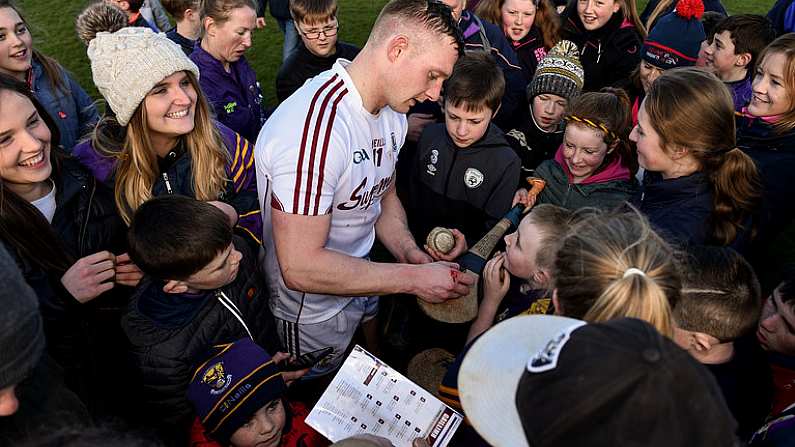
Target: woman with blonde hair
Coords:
[[158, 136], [531, 26], [614, 265], [766, 132], [698, 187]]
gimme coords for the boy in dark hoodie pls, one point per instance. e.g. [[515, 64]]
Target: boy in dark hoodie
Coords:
[[201, 288], [464, 172]]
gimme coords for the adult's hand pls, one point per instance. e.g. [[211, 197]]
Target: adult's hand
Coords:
[[230, 212], [416, 124], [261, 22], [90, 276], [440, 281], [127, 273], [459, 248]]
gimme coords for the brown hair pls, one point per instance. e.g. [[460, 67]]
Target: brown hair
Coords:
[[750, 33], [592, 276], [629, 9], [720, 294], [219, 10], [476, 81], [546, 19], [785, 45], [99, 17], [608, 108], [672, 102], [177, 8], [312, 12], [22, 227], [50, 66], [173, 236], [136, 169]]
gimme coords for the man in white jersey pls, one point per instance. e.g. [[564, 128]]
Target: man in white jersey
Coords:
[[325, 174]]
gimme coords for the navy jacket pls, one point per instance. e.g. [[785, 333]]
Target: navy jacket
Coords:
[[608, 54], [469, 189], [169, 334], [73, 110], [513, 100], [679, 208], [774, 156], [235, 97], [782, 16]]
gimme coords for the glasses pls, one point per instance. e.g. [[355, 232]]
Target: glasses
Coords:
[[327, 31]]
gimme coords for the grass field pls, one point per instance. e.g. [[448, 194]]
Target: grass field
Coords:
[[52, 23]]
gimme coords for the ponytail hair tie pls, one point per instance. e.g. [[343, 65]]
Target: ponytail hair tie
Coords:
[[633, 271]]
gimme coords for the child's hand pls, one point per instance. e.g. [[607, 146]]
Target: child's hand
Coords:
[[495, 280], [521, 196], [90, 276], [459, 248], [127, 273]]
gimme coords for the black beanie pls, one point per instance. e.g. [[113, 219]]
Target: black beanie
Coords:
[[21, 333]]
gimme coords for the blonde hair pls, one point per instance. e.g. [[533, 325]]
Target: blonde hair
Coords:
[[593, 276], [630, 10], [672, 101], [136, 169]]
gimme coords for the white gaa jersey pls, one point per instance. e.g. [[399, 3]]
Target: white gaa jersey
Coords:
[[322, 153]]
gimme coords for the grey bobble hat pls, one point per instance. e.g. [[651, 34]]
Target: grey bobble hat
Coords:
[[559, 73], [21, 333], [128, 63]]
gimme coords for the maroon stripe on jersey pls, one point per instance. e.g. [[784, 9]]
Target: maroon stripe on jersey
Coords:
[[326, 139], [318, 122], [303, 142]]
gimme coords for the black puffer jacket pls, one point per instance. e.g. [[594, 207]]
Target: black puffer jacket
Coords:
[[170, 333], [608, 54], [81, 337]]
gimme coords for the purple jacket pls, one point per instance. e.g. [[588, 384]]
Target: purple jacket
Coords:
[[241, 189], [235, 97]]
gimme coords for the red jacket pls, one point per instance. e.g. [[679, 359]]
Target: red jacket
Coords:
[[300, 434]]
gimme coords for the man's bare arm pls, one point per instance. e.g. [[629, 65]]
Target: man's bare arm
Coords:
[[308, 266]]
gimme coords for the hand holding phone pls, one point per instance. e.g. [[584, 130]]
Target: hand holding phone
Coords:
[[307, 360]]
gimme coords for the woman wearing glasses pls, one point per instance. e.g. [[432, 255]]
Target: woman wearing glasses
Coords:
[[316, 23], [226, 77]]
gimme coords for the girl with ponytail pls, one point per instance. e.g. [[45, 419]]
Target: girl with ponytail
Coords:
[[614, 265], [594, 166], [698, 187]]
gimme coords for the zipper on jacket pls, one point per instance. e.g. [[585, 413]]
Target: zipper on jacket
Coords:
[[88, 215], [168, 184]]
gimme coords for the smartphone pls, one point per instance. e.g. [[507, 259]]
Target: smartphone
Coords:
[[307, 360]]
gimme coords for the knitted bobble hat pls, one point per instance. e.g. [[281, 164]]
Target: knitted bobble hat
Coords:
[[128, 63], [559, 73], [21, 332], [676, 38]]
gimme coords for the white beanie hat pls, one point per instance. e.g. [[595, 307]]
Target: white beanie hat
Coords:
[[128, 63]]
